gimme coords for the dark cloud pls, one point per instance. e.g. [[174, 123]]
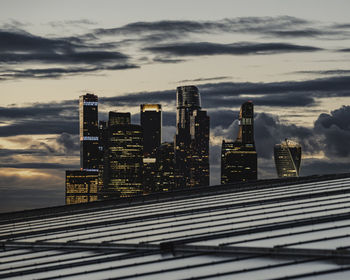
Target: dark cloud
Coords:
[[229, 94], [167, 60], [59, 72], [69, 143], [205, 79], [244, 48], [335, 129], [282, 26], [40, 110], [35, 127], [76, 54], [345, 50], [56, 118], [39, 165], [325, 72], [78, 22], [321, 166], [89, 57]]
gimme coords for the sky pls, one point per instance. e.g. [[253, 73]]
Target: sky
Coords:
[[291, 58]]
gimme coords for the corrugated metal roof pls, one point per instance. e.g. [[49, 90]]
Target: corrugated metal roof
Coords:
[[292, 229]]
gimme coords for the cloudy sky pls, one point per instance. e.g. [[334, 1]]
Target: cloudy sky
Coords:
[[291, 58]]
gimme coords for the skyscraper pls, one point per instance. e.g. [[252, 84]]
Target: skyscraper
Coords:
[[124, 161], [190, 146], [88, 120], [239, 158], [287, 159], [165, 176], [199, 159], [151, 122]]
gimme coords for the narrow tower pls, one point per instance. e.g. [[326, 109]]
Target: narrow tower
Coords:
[[287, 159], [239, 158], [89, 141]]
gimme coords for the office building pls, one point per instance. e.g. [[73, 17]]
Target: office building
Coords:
[[287, 159], [81, 186], [199, 129], [88, 122], [239, 158], [165, 176], [123, 168], [187, 144], [151, 122], [103, 154]]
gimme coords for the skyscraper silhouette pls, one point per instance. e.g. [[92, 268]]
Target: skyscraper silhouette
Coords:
[[191, 144], [151, 123], [88, 120], [239, 158], [287, 159]]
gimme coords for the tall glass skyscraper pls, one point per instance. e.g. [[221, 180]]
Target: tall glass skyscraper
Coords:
[[89, 134], [191, 152], [239, 158], [165, 176], [123, 168], [287, 159], [151, 122]]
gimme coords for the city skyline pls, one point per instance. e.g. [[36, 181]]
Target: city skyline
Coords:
[[291, 61]]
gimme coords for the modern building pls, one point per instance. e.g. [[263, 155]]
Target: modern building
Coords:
[[287, 158], [103, 154], [88, 122], [187, 144], [291, 228], [165, 179], [151, 122], [81, 186], [199, 129], [124, 163], [239, 158]]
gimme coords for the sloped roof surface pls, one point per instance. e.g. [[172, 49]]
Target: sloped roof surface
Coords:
[[266, 230]]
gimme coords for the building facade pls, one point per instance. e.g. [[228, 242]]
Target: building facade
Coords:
[[287, 159], [81, 186], [191, 142], [89, 134], [239, 158], [151, 123], [124, 161], [165, 176], [199, 129]]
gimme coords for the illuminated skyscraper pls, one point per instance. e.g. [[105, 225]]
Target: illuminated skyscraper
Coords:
[[165, 179], [287, 159], [124, 161], [199, 148], [239, 158], [191, 144], [151, 122], [88, 119], [81, 186]]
